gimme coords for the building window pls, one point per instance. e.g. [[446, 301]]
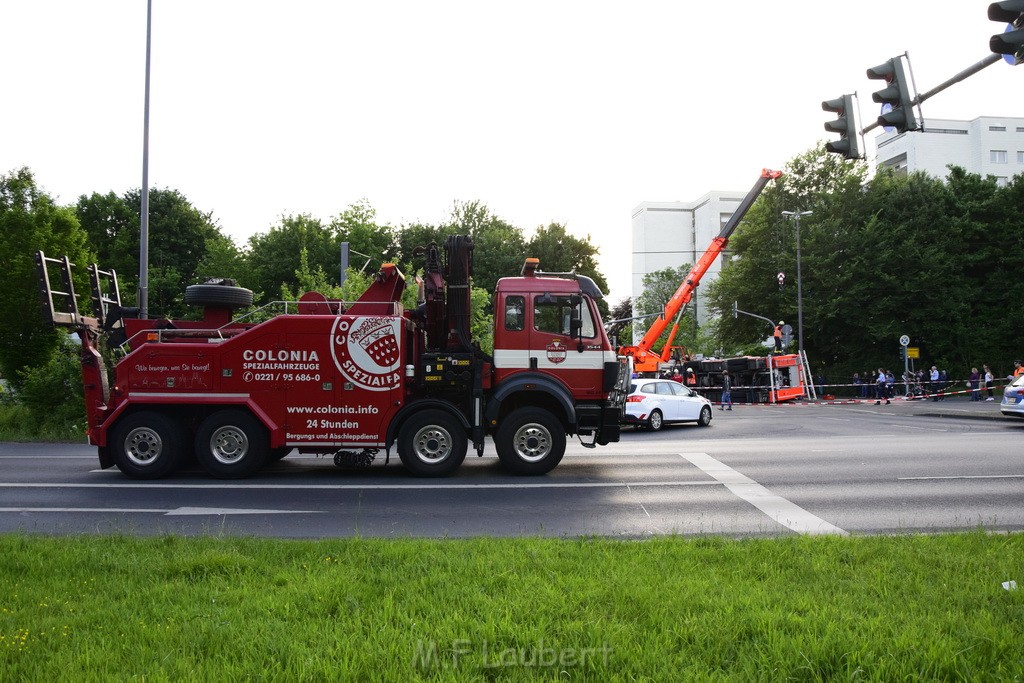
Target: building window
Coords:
[[997, 156], [1020, 129], [997, 129], [1020, 157]]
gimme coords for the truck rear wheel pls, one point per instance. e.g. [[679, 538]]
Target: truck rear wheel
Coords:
[[232, 444], [530, 441], [147, 445], [432, 444]]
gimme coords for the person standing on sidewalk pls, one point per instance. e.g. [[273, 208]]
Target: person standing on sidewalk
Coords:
[[989, 380], [881, 388], [726, 391], [973, 381], [933, 384]]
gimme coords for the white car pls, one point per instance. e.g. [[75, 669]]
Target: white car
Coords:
[[654, 402], [1013, 398]]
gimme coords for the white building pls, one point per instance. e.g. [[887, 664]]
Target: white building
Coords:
[[988, 145], [670, 234]]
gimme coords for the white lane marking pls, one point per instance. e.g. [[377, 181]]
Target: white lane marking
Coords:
[[182, 511], [785, 512], [356, 487], [965, 476], [924, 429], [43, 456], [20, 510], [234, 511]]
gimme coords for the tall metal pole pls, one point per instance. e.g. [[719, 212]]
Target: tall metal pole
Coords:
[[796, 215], [799, 294], [144, 209]]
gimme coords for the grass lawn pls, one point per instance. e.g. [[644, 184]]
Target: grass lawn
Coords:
[[213, 608]]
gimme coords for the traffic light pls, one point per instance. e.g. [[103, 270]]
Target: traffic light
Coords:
[[896, 93], [848, 143], [1011, 42]]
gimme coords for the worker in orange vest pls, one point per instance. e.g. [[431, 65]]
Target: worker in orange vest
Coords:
[[778, 336]]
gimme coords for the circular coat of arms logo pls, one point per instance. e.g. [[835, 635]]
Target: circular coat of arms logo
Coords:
[[556, 351], [366, 351]]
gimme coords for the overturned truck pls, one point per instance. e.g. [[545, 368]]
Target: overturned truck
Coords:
[[755, 379]]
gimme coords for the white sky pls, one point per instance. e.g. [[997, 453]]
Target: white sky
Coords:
[[565, 111]]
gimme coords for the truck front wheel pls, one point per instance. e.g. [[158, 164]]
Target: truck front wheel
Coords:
[[432, 444], [147, 445], [232, 444], [530, 441]]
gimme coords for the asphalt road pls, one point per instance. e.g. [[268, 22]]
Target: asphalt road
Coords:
[[756, 471]]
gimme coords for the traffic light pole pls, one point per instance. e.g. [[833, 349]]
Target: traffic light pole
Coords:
[[963, 75], [736, 311]]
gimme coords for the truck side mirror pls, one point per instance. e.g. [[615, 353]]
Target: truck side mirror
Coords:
[[576, 328]]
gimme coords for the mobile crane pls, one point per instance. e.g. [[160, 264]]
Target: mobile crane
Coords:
[[645, 359]]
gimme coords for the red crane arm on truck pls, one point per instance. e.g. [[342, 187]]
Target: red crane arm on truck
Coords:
[[643, 353]]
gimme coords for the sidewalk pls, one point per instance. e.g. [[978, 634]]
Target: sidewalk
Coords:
[[952, 407]]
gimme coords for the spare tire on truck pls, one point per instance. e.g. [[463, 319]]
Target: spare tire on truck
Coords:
[[224, 295]]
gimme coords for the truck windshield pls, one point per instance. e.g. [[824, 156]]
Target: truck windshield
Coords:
[[554, 314]]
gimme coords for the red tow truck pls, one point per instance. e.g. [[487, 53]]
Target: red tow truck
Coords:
[[346, 379]]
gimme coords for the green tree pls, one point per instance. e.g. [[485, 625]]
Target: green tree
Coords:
[[357, 225], [314, 279], [409, 237], [178, 237], [356, 282], [222, 258], [274, 256], [893, 255], [621, 333], [30, 221], [560, 252], [499, 247], [765, 244], [658, 288]]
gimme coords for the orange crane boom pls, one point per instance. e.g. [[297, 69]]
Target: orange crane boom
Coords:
[[644, 357]]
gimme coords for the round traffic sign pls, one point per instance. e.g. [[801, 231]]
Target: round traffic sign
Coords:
[[904, 340]]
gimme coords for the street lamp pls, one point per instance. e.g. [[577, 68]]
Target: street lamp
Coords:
[[144, 208], [795, 215]]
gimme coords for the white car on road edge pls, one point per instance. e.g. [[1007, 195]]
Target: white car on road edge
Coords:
[[655, 402]]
